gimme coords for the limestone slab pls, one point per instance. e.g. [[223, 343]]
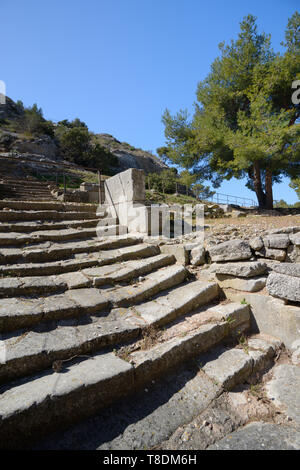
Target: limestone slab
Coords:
[[177, 302], [284, 287], [249, 285], [229, 367], [244, 269], [232, 250], [260, 436], [278, 241], [284, 388]]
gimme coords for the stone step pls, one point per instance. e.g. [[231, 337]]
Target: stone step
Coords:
[[14, 215], [126, 249], [176, 302], [23, 182], [86, 386], [35, 192], [16, 198], [152, 284], [26, 195], [15, 238], [125, 272], [33, 195], [25, 351], [187, 338], [38, 285], [17, 313], [28, 227], [48, 206], [51, 251], [9, 190], [7, 179], [230, 367], [119, 272], [25, 188], [45, 402], [187, 411], [111, 230], [21, 186]]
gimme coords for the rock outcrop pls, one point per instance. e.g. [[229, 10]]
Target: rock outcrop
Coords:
[[10, 110], [131, 157]]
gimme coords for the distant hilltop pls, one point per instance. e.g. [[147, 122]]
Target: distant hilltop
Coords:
[[129, 156], [25, 130]]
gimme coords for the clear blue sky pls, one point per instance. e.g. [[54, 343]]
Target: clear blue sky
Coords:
[[117, 64]]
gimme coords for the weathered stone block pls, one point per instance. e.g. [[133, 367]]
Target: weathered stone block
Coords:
[[284, 287], [198, 256], [295, 239], [179, 251], [245, 269], [257, 243], [272, 253], [238, 283], [128, 186], [270, 315], [293, 254], [230, 251], [289, 269], [280, 241]]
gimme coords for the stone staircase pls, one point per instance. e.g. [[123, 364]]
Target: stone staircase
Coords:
[[30, 189], [86, 319]]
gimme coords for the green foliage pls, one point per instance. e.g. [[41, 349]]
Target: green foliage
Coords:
[[187, 179], [20, 104], [33, 122], [78, 146], [281, 203], [101, 156], [244, 124], [295, 184], [70, 124], [163, 182], [160, 198], [202, 192], [169, 182], [75, 143]]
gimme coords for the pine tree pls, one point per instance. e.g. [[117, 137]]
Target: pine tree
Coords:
[[245, 123]]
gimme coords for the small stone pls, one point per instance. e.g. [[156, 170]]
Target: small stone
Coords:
[[198, 256], [257, 243]]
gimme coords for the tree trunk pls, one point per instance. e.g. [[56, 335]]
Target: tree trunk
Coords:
[[261, 197], [269, 189]]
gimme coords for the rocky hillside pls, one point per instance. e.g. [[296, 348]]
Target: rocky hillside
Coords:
[[10, 110], [129, 156], [15, 136]]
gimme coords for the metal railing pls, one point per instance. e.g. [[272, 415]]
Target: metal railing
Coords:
[[220, 198]]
